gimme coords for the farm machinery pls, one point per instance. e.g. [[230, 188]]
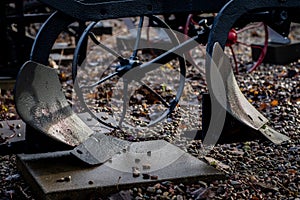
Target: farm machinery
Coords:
[[154, 59]]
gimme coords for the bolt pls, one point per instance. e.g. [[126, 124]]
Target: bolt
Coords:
[[283, 15]]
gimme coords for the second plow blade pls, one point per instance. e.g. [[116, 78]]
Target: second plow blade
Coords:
[[235, 102]]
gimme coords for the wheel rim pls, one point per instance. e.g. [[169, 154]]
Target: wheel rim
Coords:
[[169, 104]]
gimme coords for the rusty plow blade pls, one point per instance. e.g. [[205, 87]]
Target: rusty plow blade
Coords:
[[41, 103], [235, 102]]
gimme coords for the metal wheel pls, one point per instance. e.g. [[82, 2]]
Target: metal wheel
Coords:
[[239, 43], [111, 78]]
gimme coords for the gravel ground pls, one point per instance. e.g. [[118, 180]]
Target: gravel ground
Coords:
[[254, 170]]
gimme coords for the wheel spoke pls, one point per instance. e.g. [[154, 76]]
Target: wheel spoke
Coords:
[[111, 51], [249, 27], [138, 38], [100, 81], [125, 97], [155, 93], [263, 50], [234, 59]]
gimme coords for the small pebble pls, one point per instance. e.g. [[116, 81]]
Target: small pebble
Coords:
[[151, 189], [179, 197], [148, 153], [146, 176], [91, 182], [146, 166], [159, 191], [165, 194], [135, 172]]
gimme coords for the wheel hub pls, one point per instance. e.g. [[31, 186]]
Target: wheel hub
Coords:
[[128, 65], [232, 37]]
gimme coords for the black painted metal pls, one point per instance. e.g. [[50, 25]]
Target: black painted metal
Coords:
[[95, 10], [47, 35], [232, 127]]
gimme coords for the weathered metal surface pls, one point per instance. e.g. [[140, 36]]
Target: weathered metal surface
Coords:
[[233, 129], [236, 103], [98, 148], [16, 137], [60, 176], [98, 9], [276, 38], [41, 103], [273, 135], [12, 136]]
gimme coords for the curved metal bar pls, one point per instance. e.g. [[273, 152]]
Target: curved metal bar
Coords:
[[47, 35], [77, 50], [154, 93]]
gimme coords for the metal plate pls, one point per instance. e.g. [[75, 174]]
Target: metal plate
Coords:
[[46, 172]]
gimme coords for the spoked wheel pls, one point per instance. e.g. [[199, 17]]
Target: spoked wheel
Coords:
[[127, 84], [239, 43]]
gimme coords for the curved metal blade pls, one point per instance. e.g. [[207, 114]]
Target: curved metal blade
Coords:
[[41, 103], [236, 103]]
